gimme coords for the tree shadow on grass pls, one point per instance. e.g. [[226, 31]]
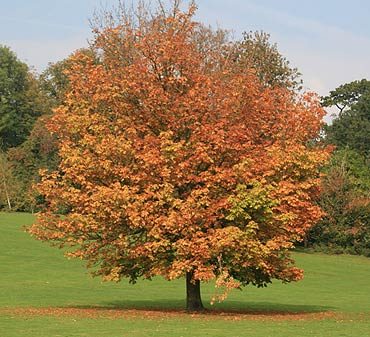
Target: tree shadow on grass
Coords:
[[270, 308], [228, 307]]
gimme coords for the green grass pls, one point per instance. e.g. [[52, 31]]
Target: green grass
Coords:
[[47, 327], [33, 275]]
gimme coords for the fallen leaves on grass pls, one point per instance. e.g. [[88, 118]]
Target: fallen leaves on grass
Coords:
[[102, 312]]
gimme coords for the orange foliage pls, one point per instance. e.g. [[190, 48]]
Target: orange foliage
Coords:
[[173, 161]]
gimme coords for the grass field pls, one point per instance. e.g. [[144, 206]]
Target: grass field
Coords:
[[43, 294]]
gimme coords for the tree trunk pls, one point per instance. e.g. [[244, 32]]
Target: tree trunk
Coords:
[[6, 193], [305, 241], [193, 299], [7, 197]]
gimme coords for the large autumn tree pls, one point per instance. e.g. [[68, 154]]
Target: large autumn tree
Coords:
[[177, 161]]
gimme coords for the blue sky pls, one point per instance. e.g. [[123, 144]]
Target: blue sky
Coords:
[[328, 40]]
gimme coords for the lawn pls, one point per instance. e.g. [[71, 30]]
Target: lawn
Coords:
[[44, 294]]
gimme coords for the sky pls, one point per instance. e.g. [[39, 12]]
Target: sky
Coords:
[[327, 40]]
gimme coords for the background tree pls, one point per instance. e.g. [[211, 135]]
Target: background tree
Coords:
[[345, 196], [347, 95], [39, 150], [352, 126], [54, 81], [175, 162], [21, 101], [256, 52]]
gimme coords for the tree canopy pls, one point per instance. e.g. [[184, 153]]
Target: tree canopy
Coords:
[[347, 95], [345, 195], [345, 198], [255, 51], [39, 149], [21, 101], [351, 128], [176, 160]]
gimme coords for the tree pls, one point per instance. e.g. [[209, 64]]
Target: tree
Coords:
[[173, 163], [345, 194], [9, 185], [256, 52], [347, 95], [5, 173], [345, 198], [352, 126], [54, 82], [38, 151], [21, 101]]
